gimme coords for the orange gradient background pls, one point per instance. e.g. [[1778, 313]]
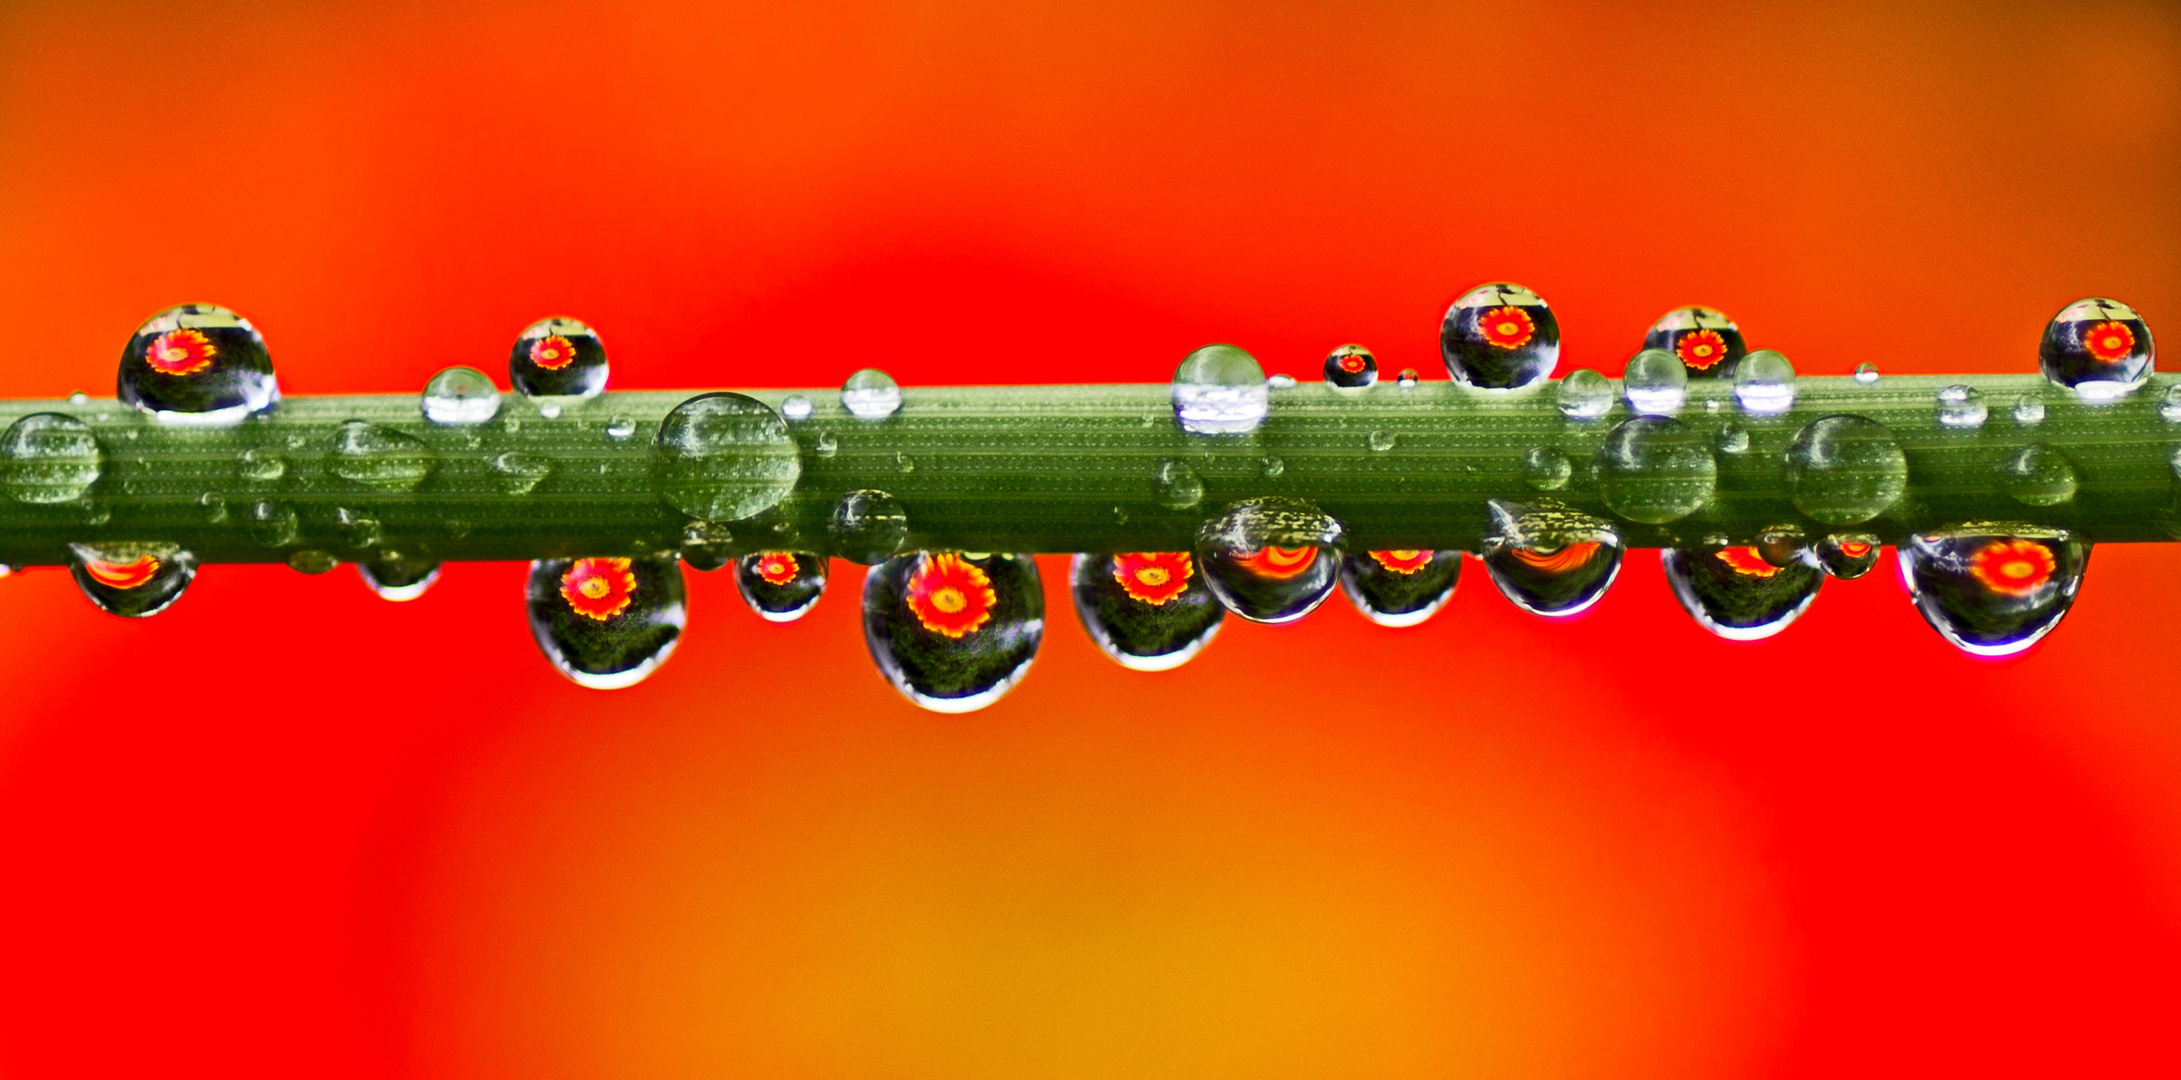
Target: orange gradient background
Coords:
[[287, 829]]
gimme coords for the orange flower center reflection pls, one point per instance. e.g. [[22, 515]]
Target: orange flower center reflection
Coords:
[[1560, 561], [1507, 327], [118, 575], [552, 353], [180, 352], [2110, 341], [1154, 577], [2013, 567], [598, 588], [1746, 561], [777, 567], [950, 595], [1277, 563], [1403, 561], [1701, 349]]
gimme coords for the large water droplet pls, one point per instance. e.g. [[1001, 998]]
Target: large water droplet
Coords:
[[953, 632], [1351, 367], [1499, 336], [871, 394], [724, 457], [47, 459], [781, 586], [1993, 590], [1735, 593], [397, 577], [605, 623], [519, 472], [1845, 470], [1220, 390], [1180, 487], [1764, 383], [1961, 406], [557, 357], [1271, 560], [2039, 476], [1655, 383], [869, 526], [1400, 588], [460, 395], [1654, 470], [1548, 559], [2099, 348], [197, 364], [1546, 468], [1702, 340], [1148, 610], [132, 580], [1585, 395], [380, 457]]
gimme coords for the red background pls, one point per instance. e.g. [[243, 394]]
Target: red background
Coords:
[[287, 829]]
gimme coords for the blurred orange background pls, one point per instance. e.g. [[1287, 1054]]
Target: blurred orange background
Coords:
[[287, 829]]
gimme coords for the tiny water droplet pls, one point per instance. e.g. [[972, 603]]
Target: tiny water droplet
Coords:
[[871, 394], [79, 398], [1653, 469], [903, 462], [1402, 587], [1736, 593], [607, 623], [312, 562], [1845, 470], [1381, 440], [1271, 467], [1281, 382], [1847, 556], [1220, 390], [1866, 374], [781, 586], [1120, 515], [1178, 485], [795, 407], [724, 457], [1147, 610], [1585, 395], [380, 457], [197, 364], [707, 545], [1548, 559], [2029, 410], [96, 513], [47, 459], [396, 578], [358, 529], [1733, 438], [1271, 560], [953, 632], [512, 424], [130, 579], [549, 410], [272, 524], [869, 526], [1782, 545], [2169, 406], [1406, 380], [1993, 590], [1655, 383], [1499, 336], [1351, 367], [1764, 383], [2099, 348], [826, 445], [1961, 406], [620, 427], [460, 396], [557, 358], [519, 472], [2039, 476], [1546, 468], [1712, 405], [1702, 340], [213, 508]]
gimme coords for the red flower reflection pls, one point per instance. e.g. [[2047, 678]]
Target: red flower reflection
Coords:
[[1507, 327], [1153, 577], [1277, 563], [1746, 561], [1402, 562], [777, 567], [951, 595], [1353, 363], [2110, 341], [123, 575], [552, 353], [180, 352], [598, 588], [1854, 549], [1701, 349], [1561, 561], [2013, 567]]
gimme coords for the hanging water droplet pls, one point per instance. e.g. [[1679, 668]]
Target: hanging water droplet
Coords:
[[1381, 440], [1148, 610], [1845, 470], [620, 427], [398, 578], [606, 623], [132, 580], [795, 407], [1271, 560], [519, 472], [826, 445], [47, 459], [953, 632], [1499, 336], [213, 508], [1783, 545], [1400, 588], [260, 465], [1655, 383], [1351, 367], [1733, 438], [197, 364], [1220, 390], [869, 526], [1546, 468], [1702, 340], [2099, 348], [1549, 560], [2039, 476], [2029, 410], [871, 394], [380, 457], [460, 395], [1585, 395], [358, 529], [1866, 374], [1961, 406], [724, 457], [1654, 470], [557, 357], [1178, 485], [1994, 590], [312, 562], [781, 586], [707, 545], [1847, 556], [1764, 383], [1270, 467], [1406, 380], [1736, 593], [272, 524], [1281, 382]]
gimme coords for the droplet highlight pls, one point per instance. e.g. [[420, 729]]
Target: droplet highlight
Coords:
[[380, 457], [1764, 383], [2099, 348], [47, 459], [1655, 383], [1548, 559], [132, 580], [871, 394], [869, 526], [1736, 593], [398, 578], [1351, 367], [1653, 469], [1585, 395], [1847, 556], [1499, 336], [1845, 470], [2039, 475], [460, 396], [1220, 390], [1961, 406]]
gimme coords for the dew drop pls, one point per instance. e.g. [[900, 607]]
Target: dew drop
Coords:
[[1653, 469], [795, 407], [953, 632], [358, 529], [519, 472], [2099, 348], [1736, 593], [606, 623], [1400, 587], [312, 562], [781, 586], [826, 445], [1271, 467], [1281, 382], [213, 508], [1847, 556], [549, 410], [903, 462], [1271, 560], [1499, 336], [1655, 383], [1546, 468], [1702, 340], [2029, 410], [869, 526], [1845, 470], [396, 578], [1549, 560], [1406, 380], [871, 394], [1381, 441], [380, 457], [132, 580], [619, 428], [1351, 367], [1147, 610], [79, 398], [707, 545], [272, 524], [1961, 406], [1220, 390], [2169, 406], [47, 459], [1783, 545], [2039, 476], [96, 513], [1866, 374], [197, 364], [1178, 485], [557, 358], [1993, 590], [1764, 383], [1733, 438], [724, 457], [1585, 395], [460, 396]]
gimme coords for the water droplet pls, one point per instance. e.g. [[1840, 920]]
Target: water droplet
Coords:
[[557, 357], [1585, 395], [519, 472], [953, 632], [1735, 593], [1845, 470], [272, 524], [197, 364], [380, 457], [1733, 438], [461, 395], [1271, 467], [96, 513], [396, 578], [1120, 515], [1764, 383], [707, 545], [903, 462], [781, 586], [2029, 410], [1961, 406], [620, 427], [358, 529], [1993, 590], [2169, 407], [1783, 545], [549, 410], [871, 394], [1351, 367], [1712, 405], [1400, 588], [869, 526], [1499, 336], [79, 398], [1281, 382], [47, 459], [1178, 485], [2099, 348], [1702, 340], [312, 562], [826, 445], [1148, 610], [132, 580], [1220, 390], [512, 424], [1546, 468], [1271, 560], [1866, 374], [606, 623], [213, 508], [724, 457], [1847, 556], [1381, 440], [1655, 383], [2039, 476], [1406, 380], [1654, 470], [1549, 560], [795, 407]]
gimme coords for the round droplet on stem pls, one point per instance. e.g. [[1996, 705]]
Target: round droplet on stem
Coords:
[[1655, 383], [871, 394], [1546, 468], [707, 545], [1549, 560], [1147, 610], [1400, 587], [1406, 380], [557, 358], [781, 586], [130, 579], [1866, 374], [1961, 406], [953, 632], [2029, 409], [460, 396], [1847, 556], [869, 526], [380, 457], [1178, 485], [312, 561], [1654, 470], [1380, 441], [272, 524], [398, 578], [724, 457], [2099, 348], [1845, 470], [1783, 545], [1764, 383], [620, 427], [1704, 342], [1994, 590], [1271, 560], [1736, 593], [1351, 367], [2039, 475], [519, 472], [1281, 382], [47, 459], [1499, 336], [607, 622], [1585, 395], [261, 465], [197, 364], [1220, 390], [795, 407]]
